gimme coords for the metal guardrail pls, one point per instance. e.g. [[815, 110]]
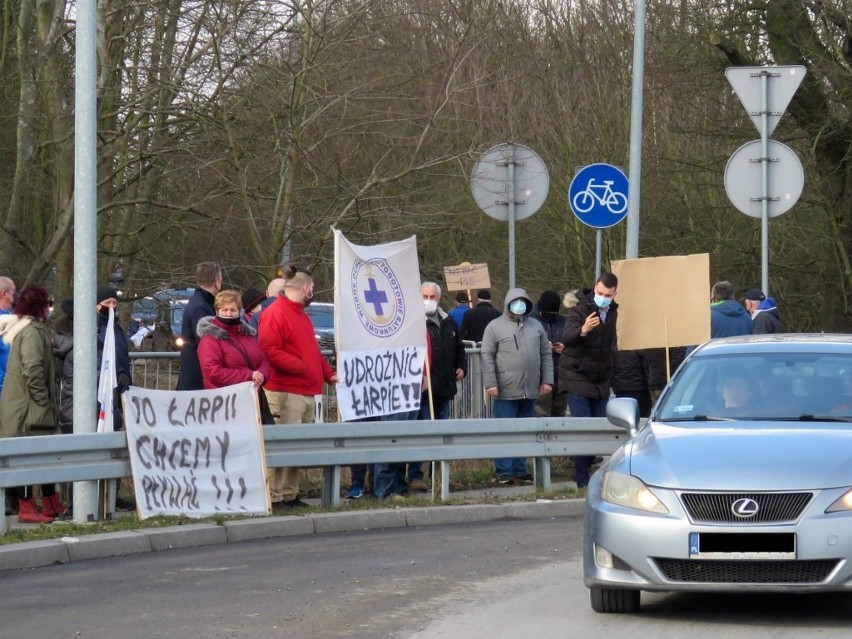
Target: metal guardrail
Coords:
[[86, 457]]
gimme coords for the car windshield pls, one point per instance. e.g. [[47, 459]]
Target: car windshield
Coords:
[[766, 386], [321, 316]]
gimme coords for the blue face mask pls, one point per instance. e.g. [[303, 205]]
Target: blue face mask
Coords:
[[602, 302], [518, 307]]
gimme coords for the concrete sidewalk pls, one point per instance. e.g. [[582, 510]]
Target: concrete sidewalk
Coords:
[[386, 515]]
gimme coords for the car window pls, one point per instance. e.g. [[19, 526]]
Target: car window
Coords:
[[760, 386], [321, 316]]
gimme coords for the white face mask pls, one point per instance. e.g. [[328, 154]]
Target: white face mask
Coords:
[[431, 306], [518, 307]]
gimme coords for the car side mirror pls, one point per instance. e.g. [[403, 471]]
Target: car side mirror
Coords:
[[623, 412]]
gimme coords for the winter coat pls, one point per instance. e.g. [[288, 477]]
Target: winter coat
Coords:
[[554, 327], [585, 364], [475, 321], [767, 318], [655, 360], [28, 400], [516, 353], [223, 351], [63, 350], [629, 373], [199, 305], [4, 351], [286, 337], [446, 355], [729, 318], [122, 354]]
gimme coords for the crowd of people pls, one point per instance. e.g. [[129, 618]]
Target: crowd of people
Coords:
[[554, 357]]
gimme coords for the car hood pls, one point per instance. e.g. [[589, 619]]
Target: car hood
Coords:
[[743, 456]]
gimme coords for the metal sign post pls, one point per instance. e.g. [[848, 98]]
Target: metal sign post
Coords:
[[765, 93], [510, 183], [598, 197]]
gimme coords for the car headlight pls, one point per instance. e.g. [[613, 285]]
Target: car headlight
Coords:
[[841, 504], [179, 342], [631, 492]]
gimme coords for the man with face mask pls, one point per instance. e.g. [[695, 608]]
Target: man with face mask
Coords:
[[584, 366], [447, 364], [517, 367], [299, 371], [107, 298]]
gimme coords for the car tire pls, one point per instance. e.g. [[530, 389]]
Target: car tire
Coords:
[[614, 600]]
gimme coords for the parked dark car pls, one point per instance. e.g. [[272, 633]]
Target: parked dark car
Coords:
[[322, 317], [162, 312]]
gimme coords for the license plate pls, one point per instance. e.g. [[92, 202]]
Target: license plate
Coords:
[[742, 546]]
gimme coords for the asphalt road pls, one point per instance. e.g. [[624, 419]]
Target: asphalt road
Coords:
[[487, 580]]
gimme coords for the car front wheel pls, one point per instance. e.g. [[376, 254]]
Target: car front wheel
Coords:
[[614, 600]]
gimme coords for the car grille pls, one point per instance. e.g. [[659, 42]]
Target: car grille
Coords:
[[716, 508], [746, 572]]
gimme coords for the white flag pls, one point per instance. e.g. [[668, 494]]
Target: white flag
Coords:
[[108, 379], [380, 329]]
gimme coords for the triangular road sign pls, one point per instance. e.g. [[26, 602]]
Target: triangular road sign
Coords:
[[782, 83]]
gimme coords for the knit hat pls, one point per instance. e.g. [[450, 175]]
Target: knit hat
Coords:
[[549, 302], [462, 298], [484, 294], [251, 298], [105, 293]]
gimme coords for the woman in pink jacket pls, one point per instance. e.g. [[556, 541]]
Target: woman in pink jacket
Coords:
[[228, 351]]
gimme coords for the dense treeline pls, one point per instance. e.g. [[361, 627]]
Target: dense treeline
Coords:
[[243, 130]]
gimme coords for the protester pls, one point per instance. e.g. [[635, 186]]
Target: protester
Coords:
[[298, 371], [447, 365], [517, 367], [28, 400], [765, 316], [208, 277], [7, 301], [273, 290], [630, 378], [475, 320], [460, 309], [584, 366], [547, 312], [252, 301], [107, 298], [727, 316], [227, 349]]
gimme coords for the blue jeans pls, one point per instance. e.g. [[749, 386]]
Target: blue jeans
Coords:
[[509, 408], [580, 406], [442, 410], [389, 478]]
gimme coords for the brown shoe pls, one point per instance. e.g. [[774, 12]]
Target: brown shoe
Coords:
[[418, 485]]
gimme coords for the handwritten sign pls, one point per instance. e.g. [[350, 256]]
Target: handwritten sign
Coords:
[[467, 276], [196, 453], [379, 382]]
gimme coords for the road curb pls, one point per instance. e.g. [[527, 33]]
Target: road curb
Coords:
[[35, 554]]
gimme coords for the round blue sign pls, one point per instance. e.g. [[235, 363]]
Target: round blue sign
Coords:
[[598, 195]]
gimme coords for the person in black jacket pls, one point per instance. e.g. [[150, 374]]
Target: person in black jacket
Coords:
[[630, 378], [584, 366], [208, 276], [477, 318], [447, 366], [547, 312], [765, 317]]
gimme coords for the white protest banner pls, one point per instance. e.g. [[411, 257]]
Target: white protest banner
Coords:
[[381, 334], [196, 453]]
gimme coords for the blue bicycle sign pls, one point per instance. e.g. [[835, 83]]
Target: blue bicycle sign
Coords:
[[598, 195]]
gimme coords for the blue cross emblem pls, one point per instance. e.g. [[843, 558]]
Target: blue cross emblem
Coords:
[[375, 297]]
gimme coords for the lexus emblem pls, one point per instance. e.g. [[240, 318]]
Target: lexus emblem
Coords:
[[744, 508]]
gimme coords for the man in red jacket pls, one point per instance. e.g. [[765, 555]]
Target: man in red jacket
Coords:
[[286, 336]]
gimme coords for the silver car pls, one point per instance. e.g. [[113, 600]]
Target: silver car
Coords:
[[741, 480]]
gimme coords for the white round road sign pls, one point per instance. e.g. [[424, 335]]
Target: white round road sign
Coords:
[[492, 186], [743, 179]]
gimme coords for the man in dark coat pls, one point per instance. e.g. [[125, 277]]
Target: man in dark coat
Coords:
[[765, 317], [585, 363], [208, 276], [547, 312], [447, 366], [727, 316], [477, 318]]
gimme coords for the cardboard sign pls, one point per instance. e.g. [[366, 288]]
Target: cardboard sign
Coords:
[[663, 301], [196, 453], [465, 277]]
